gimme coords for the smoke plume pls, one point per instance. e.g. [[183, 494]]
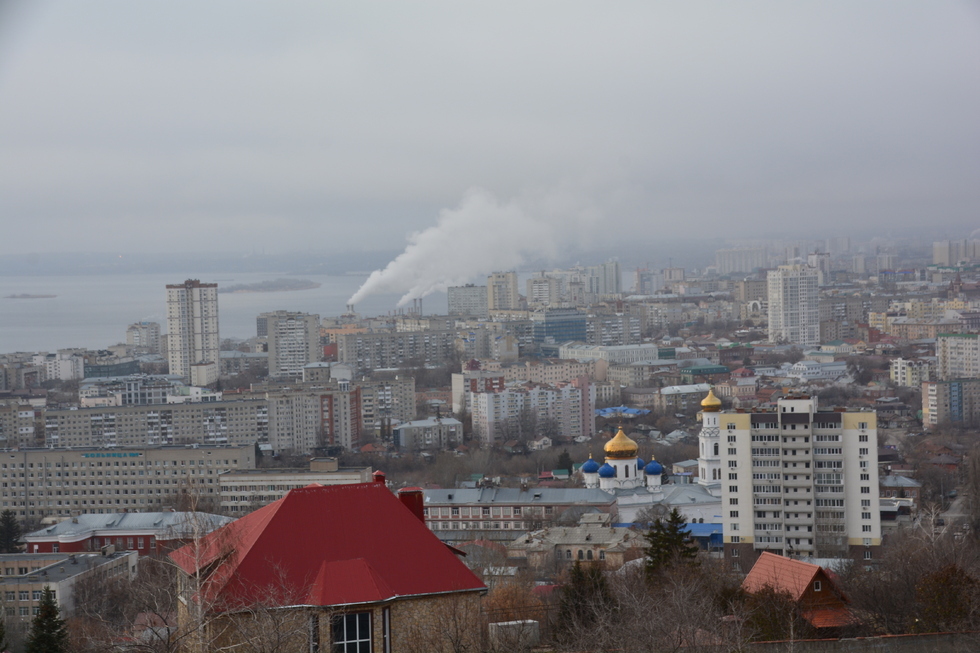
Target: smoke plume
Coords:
[[480, 236]]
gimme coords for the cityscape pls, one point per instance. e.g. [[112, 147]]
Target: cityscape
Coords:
[[479, 329]]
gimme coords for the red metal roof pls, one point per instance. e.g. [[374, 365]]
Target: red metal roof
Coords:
[[779, 573], [318, 545]]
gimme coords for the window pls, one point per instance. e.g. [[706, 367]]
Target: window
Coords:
[[867, 555], [816, 586], [862, 438], [863, 451], [733, 514], [733, 476], [581, 555], [734, 553], [732, 464], [866, 528], [862, 425], [731, 426], [602, 555], [733, 502], [865, 515], [865, 489], [733, 488], [352, 633], [715, 449], [865, 503], [736, 539]]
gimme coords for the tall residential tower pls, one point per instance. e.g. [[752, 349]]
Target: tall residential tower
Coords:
[[192, 325]]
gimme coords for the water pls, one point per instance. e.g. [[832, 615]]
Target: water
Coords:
[[94, 311]]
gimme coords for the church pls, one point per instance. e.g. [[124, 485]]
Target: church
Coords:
[[637, 484]]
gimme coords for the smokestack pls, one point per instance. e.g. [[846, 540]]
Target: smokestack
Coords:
[[379, 477], [414, 500], [420, 307]]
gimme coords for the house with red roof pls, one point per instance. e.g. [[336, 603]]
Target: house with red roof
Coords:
[[813, 589], [348, 566]]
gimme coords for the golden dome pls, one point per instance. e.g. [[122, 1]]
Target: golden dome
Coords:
[[621, 446], [711, 403]]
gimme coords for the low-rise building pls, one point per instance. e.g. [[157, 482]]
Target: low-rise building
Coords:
[[595, 539], [147, 533], [504, 513], [27, 575], [431, 433], [243, 491]]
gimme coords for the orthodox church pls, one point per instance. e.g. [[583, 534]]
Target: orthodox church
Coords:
[[637, 484]]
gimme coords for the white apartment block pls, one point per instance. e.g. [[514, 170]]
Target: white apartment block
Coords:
[[200, 423], [294, 342], [796, 481], [543, 291], [909, 373], [959, 356], [468, 300], [498, 416], [65, 365], [60, 482], [192, 325], [145, 335], [794, 305], [614, 355], [303, 419], [502, 293], [742, 259]]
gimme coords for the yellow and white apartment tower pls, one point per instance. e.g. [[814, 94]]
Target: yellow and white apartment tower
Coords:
[[796, 481]]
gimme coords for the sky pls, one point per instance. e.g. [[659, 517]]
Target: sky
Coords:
[[344, 126]]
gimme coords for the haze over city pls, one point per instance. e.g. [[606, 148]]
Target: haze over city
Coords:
[[241, 126]]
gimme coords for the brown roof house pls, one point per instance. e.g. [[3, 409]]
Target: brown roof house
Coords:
[[817, 596]]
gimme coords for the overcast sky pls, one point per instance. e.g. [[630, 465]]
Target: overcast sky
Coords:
[[150, 126]]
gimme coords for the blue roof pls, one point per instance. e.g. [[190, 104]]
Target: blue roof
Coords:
[[607, 471], [590, 466], [654, 468], [620, 410]]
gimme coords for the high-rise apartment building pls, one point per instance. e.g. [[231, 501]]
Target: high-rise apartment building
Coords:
[[953, 402], [794, 480], [543, 290], [605, 278], [192, 325], [742, 259], [294, 342], [499, 416], [953, 252], [959, 356], [468, 300], [502, 294], [145, 335], [794, 305]]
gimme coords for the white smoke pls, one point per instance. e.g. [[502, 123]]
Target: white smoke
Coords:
[[481, 236]]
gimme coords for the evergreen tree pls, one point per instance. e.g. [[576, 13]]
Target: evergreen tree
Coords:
[[565, 461], [48, 631], [9, 532], [3, 636], [585, 598], [669, 543]]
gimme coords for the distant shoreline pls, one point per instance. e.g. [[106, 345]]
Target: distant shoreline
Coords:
[[278, 285], [29, 296]]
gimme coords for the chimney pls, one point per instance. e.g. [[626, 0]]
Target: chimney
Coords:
[[379, 477], [413, 499]]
